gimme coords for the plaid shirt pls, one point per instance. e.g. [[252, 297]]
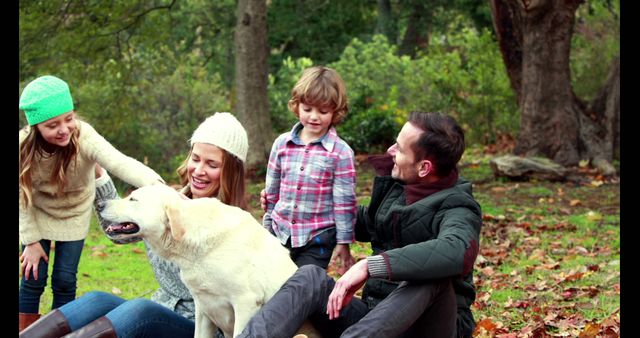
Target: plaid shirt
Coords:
[[310, 188]]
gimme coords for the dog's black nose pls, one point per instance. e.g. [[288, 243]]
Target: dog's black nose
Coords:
[[100, 206]]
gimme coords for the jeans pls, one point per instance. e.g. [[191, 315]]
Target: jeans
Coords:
[[317, 251], [63, 279], [412, 310], [138, 317]]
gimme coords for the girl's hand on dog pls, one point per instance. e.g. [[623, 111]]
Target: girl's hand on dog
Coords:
[[30, 259]]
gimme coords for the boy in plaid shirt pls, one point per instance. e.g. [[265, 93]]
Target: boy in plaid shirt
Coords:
[[311, 176]]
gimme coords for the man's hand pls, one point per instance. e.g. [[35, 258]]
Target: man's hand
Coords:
[[342, 258], [30, 259], [346, 287]]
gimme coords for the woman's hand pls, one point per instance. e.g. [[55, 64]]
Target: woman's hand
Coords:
[[263, 200], [98, 170], [30, 259]]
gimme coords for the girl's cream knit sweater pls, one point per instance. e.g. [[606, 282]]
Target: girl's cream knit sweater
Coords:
[[67, 218]]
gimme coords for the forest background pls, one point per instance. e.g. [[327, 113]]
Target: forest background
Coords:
[[146, 73]]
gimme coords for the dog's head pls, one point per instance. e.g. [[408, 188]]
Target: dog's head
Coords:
[[147, 213]]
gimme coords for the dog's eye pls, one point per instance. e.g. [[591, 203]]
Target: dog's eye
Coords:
[[132, 199]]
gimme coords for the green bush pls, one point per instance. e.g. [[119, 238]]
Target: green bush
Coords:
[[279, 90], [461, 74], [370, 131], [470, 82], [595, 43], [153, 118]]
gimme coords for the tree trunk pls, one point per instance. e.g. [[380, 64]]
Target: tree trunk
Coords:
[[416, 37], [252, 104], [386, 24], [535, 41], [604, 112]]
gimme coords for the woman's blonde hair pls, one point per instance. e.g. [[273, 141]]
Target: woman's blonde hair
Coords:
[[321, 87], [231, 188], [32, 147]]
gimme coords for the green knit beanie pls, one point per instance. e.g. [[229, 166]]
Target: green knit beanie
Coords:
[[44, 98]]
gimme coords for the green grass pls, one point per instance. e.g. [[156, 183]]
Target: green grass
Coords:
[[537, 191], [505, 295], [119, 269], [549, 255]]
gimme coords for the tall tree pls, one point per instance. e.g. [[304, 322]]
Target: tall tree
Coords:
[[252, 104], [317, 29], [417, 20], [386, 24], [416, 36], [535, 41]]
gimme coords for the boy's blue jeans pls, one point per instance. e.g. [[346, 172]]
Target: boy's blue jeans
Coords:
[[138, 317], [318, 251], [63, 279]]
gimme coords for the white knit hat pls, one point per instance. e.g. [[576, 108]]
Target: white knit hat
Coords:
[[225, 131]]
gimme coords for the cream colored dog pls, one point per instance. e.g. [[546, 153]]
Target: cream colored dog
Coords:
[[229, 262]]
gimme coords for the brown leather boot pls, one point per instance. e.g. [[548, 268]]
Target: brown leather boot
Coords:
[[26, 319], [52, 325], [99, 328]]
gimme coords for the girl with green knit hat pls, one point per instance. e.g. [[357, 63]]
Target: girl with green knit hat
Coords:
[[58, 156]]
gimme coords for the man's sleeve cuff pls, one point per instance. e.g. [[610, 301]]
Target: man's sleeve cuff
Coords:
[[377, 267]]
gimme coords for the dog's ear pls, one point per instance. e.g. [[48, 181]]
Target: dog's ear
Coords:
[[173, 214]]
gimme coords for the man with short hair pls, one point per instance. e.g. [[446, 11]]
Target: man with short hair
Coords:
[[424, 227]]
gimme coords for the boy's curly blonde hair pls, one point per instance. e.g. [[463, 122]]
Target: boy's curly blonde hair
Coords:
[[321, 87]]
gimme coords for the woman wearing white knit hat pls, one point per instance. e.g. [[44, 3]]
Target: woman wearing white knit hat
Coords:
[[225, 140], [214, 167]]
